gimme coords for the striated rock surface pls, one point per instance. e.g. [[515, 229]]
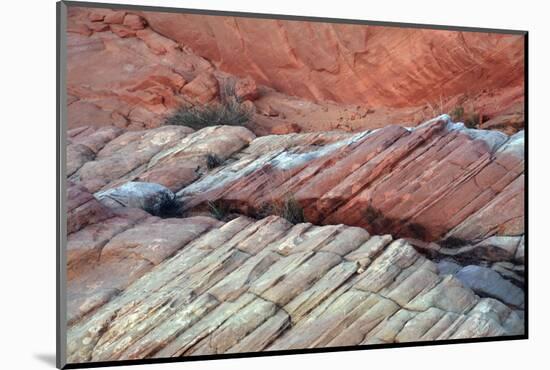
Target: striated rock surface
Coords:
[[437, 181], [132, 70], [434, 182], [183, 287], [172, 156], [140, 286], [342, 213], [387, 66]]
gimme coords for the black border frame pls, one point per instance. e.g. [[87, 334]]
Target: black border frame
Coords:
[[61, 12]]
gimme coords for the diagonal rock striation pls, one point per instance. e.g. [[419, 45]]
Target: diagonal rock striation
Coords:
[[437, 181], [198, 286]]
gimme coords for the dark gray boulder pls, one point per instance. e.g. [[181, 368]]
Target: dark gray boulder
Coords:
[[154, 198]]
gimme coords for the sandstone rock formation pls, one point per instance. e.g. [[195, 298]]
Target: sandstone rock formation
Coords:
[[134, 69], [388, 66], [140, 286], [437, 181], [342, 213], [194, 286]]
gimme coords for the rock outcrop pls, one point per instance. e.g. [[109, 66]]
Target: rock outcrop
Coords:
[[388, 66], [437, 181], [132, 70], [341, 213], [195, 286], [150, 197], [173, 156]]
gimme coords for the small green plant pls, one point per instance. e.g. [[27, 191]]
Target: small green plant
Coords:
[[289, 208], [457, 113], [292, 211], [231, 113], [219, 209], [213, 161], [472, 120]]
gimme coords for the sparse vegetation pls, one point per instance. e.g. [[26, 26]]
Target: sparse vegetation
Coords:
[[457, 114], [289, 208], [219, 209], [229, 113], [372, 214], [167, 207], [470, 120], [227, 91], [418, 231], [379, 224], [213, 161], [453, 242], [292, 211]]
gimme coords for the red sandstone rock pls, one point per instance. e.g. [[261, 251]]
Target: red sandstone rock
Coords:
[[287, 283], [80, 28], [114, 17], [202, 89], [98, 26], [434, 182], [249, 286], [246, 89], [405, 90], [122, 31], [83, 209], [158, 44], [96, 16], [134, 22], [378, 65]]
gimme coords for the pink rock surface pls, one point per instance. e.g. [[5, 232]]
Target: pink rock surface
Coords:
[[282, 235], [387, 66], [134, 69], [436, 181]]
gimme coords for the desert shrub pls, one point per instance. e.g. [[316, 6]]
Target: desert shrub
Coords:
[[227, 91], [289, 208], [457, 114], [231, 113], [213, 161], [292, 211], [219, 209], [453, 242], [372, 214], [167, 207], [470, 120], [418, 231]]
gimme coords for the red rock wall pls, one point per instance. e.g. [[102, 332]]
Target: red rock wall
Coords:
[[372, 65]]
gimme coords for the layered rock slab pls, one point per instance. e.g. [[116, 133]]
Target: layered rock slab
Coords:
[[247, 285], [172, 156], [437, 181]]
